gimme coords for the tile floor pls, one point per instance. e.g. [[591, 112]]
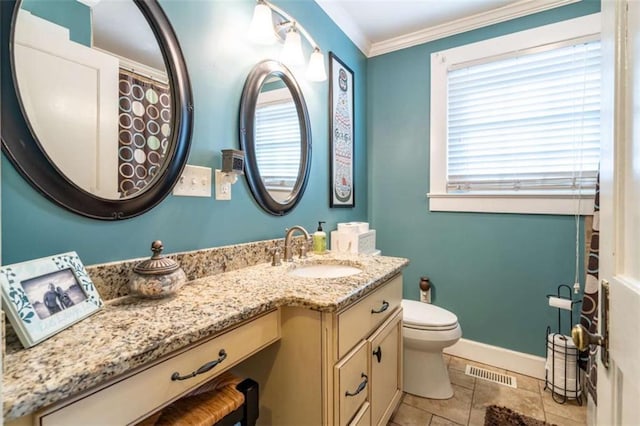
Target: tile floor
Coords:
[[472, 396]]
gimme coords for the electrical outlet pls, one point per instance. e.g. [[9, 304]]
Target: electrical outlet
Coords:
[[223, 186], [195, 181]]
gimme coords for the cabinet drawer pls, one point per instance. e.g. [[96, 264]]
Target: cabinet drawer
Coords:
[[136, 396], [357, 321], [351, 384]]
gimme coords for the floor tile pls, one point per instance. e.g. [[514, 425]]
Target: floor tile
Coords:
[[455, 409], [461, 364], [440, 421], [523, 401], [526, 382], [570, 409], [407, 415], [476, 418], [562, 421], [472, 396], [458, 377]]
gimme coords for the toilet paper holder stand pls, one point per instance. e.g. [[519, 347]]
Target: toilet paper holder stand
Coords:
[[567, 298], [562, 372], [562, 356]]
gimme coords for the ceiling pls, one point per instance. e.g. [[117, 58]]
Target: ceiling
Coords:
[[382, 26]]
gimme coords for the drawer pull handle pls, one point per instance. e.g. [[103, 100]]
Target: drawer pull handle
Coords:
[[384, 307], [361, 386], [378, 353], [206, 367]]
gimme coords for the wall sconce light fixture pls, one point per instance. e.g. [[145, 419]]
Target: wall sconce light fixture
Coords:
[[263, 31]]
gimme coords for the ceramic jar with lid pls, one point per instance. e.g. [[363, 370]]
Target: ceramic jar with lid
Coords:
[[158, 276]]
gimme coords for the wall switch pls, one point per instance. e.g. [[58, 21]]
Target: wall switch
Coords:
[[223, 186], [195, 181]]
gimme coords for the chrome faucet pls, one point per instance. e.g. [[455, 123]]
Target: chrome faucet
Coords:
[[288, 254]]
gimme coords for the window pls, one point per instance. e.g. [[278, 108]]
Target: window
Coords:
[[515, 121], [277, 140]]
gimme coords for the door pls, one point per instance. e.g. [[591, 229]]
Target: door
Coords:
[[619, 384], [70, 93]]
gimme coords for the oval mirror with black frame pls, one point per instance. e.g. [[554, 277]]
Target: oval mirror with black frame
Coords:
[[276, 137], [97, 108]]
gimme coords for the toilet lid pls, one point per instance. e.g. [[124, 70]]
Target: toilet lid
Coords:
[[424, 315]]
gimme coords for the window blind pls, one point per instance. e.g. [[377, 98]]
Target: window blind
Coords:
[[525, 123], [278, 144]]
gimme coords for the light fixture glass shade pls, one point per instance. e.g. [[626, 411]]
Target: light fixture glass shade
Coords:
[[292, 51], [316, 70], [261, 29]]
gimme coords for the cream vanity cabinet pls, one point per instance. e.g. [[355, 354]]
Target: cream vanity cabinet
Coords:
[[334, 368], [135, 395]]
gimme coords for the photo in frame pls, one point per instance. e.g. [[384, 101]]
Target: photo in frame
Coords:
[[341, 133], [44, 296]]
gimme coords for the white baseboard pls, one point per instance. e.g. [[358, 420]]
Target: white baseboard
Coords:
[[519, 362]]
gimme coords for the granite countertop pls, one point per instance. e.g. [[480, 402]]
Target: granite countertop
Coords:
[[129, 332]]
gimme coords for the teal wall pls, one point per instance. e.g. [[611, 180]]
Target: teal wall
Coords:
[[70, 14], [212, 35], [492, 270]]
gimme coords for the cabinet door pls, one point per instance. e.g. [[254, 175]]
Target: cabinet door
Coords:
[[363, 418], [351, 384], [385, 351]]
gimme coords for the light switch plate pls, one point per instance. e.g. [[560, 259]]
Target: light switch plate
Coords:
[[195, 181]]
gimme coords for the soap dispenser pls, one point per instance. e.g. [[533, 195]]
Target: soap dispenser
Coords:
[[319, 239]]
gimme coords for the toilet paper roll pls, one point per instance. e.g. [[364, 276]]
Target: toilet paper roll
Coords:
[[353, 227], [560, 303]]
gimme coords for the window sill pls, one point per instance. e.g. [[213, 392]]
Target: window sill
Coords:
[[509, 203]]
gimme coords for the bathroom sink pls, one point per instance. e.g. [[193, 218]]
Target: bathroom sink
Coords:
[[324, 270]]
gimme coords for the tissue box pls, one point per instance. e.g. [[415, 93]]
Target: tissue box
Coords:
[[352, 242]]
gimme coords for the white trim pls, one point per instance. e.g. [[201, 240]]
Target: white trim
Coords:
[[441, 62], [274, 96], [90, 3], [524, 204], [518, 362], [501, 14], [346, 23], [137, 67], [505, 13]]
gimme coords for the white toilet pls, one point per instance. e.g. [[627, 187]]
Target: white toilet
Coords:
[[427, 330]]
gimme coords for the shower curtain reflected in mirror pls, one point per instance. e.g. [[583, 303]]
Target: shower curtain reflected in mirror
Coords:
[[589, 313], [144, 129]]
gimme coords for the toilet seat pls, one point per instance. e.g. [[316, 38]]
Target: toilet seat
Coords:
[[424, 316]]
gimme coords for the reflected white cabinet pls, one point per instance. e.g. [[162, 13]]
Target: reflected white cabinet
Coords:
[[326, 369]]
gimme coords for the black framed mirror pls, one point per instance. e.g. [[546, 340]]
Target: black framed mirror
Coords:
[[116, 151], [275, 135]]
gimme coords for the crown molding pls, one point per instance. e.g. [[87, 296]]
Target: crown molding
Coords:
[[344, 21], [501, 14]]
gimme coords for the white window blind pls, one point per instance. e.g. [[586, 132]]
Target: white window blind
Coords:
[[278, 143], [525, 123]]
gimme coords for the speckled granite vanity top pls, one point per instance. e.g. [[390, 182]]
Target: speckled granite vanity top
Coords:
[[129, 332]]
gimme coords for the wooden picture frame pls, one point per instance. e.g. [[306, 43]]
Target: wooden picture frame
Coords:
[[341, 133], [44, 296]]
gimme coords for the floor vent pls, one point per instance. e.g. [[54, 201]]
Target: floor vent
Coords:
[[491, 376]]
